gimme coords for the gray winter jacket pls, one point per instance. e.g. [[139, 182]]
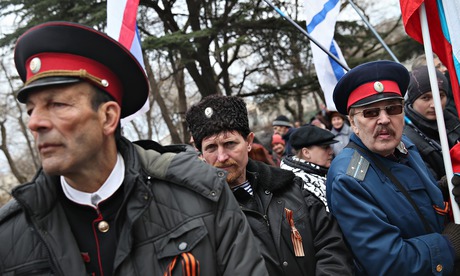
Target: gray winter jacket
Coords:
[[173, 203]]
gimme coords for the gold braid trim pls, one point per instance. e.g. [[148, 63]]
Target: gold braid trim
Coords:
[[83, 74]]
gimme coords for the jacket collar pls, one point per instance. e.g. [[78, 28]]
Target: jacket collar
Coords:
[[38, 197], [267, 177]]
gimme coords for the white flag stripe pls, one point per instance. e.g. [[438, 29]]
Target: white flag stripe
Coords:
[[115, 17], [115, 11]]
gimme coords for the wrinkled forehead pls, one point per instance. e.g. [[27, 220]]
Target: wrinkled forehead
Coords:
[[69, 92], [223, 135]]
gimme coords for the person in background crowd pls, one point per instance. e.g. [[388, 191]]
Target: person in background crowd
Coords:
[[421, 61], [386, 201], [278, 149], [282, 126], [297, 124], [340, 129], [295, 233], [317, 122], [101, 205], [322, 115], [312, 159], [260, 153], [421, 125]]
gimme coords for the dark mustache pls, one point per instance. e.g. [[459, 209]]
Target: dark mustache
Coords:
[[381, 128]]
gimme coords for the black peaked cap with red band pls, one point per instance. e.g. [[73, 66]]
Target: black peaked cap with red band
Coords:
[[369, 83], [56, 53]]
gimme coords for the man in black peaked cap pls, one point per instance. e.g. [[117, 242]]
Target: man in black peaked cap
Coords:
[[295, 233], [386, 201], [101, 205]]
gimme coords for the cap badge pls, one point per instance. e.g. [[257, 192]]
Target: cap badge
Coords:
[[378, 86], [208, 112], [35, 65]]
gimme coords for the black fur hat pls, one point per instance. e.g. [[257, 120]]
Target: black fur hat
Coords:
[[215, 114]]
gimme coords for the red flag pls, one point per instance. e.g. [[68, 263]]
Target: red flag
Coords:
[[441, 46]]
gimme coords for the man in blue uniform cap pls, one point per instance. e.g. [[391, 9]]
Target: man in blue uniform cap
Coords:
[[388, 205], [101, 205]]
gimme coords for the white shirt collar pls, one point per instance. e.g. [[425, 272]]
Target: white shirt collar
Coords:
[[109, 187]]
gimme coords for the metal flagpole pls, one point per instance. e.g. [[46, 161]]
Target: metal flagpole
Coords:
[[438, 109], [344, 66], [373, 30]]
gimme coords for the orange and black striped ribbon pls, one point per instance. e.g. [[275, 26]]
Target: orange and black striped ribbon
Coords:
[[190, 265], [441, 211], [295, 235]]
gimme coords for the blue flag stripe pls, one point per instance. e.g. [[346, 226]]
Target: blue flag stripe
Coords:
[[338, 70], [319, 17]]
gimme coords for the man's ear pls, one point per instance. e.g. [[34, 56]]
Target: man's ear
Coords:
[[250, 140], [355, 129], [109, 113], [306, 153]]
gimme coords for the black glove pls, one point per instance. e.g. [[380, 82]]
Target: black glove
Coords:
[[456, 190], [452, 232], [444, 187]]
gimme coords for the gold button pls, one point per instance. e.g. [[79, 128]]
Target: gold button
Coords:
[[103, 226], [439, 268]]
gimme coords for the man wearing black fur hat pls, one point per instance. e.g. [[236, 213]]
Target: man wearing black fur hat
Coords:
[[387, 203], [295, 233], [102, 205]]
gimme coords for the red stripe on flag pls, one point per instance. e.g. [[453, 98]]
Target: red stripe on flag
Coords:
[[128, 25], [442, 47]]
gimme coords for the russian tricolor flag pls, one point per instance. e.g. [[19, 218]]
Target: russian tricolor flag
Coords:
[[122, 26], [444, 28]]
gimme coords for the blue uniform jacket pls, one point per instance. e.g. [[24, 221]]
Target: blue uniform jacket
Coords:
[[384, 232]]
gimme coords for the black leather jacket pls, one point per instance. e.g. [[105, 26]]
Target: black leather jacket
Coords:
[[173, 203], [324, 247]]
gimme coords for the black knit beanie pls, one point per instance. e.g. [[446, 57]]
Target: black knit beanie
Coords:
[[215, 114], [420, 83]]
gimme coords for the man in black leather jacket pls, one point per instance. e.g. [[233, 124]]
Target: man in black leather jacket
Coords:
[[295, 233], [101, 205]]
